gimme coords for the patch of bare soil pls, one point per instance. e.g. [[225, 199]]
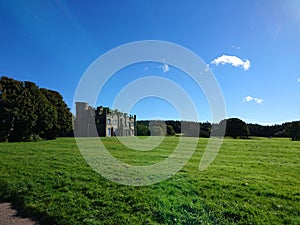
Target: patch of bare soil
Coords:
[[10, 216]]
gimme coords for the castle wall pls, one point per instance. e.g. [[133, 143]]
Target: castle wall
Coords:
[[102, 121]]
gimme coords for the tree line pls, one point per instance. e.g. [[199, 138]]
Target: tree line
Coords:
[[235, 128], [28, 112]]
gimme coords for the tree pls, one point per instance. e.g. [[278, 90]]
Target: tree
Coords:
[[28, 112], [9, 91], [142, 129], [6, 116], [17, 119], [170, 130], [63, 125], [44, 111], [236, 128], [190, 129], [157, 131], [293, 130], [267, 130]]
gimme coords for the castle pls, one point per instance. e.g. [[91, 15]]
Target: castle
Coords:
[[103, 122]]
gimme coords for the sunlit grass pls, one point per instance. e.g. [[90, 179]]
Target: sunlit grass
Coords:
[[250, 182]]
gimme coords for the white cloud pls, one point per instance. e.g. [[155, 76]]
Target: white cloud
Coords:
[[165, 68], [207, 68], [258, 100], [233, 60], [146, 68], [298, 80], [250, 98]]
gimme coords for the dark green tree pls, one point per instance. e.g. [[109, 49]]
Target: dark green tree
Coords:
[[10, 92], [44, 111], [17, 117], [170, 130], [143, 129], [205, 129], [293, 131], [267, 130], [63, 126], [236, 128], [28, 113], [175, 124], [6, 117]]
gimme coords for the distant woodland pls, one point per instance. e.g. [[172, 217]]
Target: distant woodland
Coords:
[[30, 113], [235, 128]]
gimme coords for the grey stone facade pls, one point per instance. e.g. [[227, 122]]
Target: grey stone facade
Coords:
[[103, 122]]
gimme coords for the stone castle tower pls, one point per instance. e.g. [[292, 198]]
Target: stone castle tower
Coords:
[[103, 121]]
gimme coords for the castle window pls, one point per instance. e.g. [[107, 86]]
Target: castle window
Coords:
[[109, 132], [108, 121]]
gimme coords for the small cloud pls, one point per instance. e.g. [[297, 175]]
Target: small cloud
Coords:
[[146, 68], [165, 68], [258, 100], [298, 80], [250, 98], [207, 68], [233, 60]]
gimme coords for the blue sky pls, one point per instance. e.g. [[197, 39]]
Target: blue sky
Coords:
[[252, 47]]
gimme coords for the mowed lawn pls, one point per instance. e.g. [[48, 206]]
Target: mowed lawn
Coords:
[[253, 181]]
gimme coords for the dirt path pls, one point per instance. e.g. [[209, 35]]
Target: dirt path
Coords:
[[9, 216]]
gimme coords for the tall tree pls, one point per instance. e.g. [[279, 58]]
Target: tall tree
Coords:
[[44, 111], [28, 112], [10, 90], [64, 125], [17, 117]]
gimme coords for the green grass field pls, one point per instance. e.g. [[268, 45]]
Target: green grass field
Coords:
[[253, 181]]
